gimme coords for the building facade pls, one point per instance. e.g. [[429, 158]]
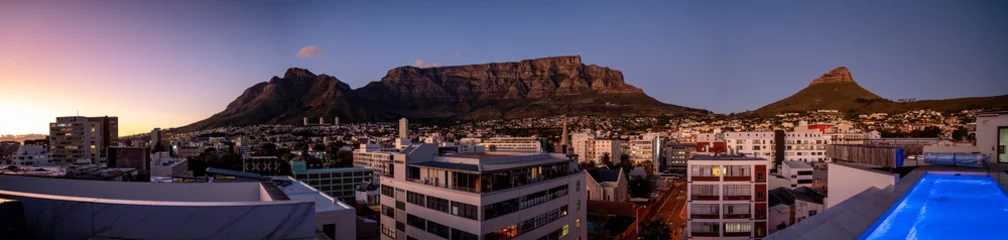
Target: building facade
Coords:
[[646, 149], [31, 155], [805, 146], [482, 196], [727, 197], [372, 156], [798, 174], [514, 144], [340, 183], [606, 184], [676, 155], [76, 138]]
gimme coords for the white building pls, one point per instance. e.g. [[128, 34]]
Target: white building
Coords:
[[797, 173], [374, 157], [790, 206], [482, 196], [163, 165], [605, 184], [727, 197], [31, 155], [514, 144], [805, 146], [992, 135], [646, 149], [589, 148], [403, 128]]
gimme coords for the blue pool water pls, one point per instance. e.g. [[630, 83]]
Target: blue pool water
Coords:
[[945, 206]]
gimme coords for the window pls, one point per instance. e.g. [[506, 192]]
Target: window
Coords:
[[577, 223], [578, 205], [437, 229], [415, 198], [704, 209], [508, 232], [388, 191], [704, 190], [416, 222], [759, 176], [464, 210], [705, 227], [759, 196], [736, 209], [812, 212], [462, 235], [388, 211], [329, 230], [706, 170], [804, 181], [577, 187], [738, 227], [400, 226], [761, 214], [737, 190], [438, 204], [737, 170], [400, 205]]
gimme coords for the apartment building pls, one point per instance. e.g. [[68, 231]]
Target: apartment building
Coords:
[[676, 155], [75, 138], [31, 155], [482, 196], [645, 149], [797, 174], [514, 144], [805, 146], [727, 197], [374, 157], [339, 183], [589, 147]]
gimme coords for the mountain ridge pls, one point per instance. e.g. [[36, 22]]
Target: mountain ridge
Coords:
[[499, 90]]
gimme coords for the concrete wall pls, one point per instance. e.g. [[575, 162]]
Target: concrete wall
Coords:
[[987, 134], [802, 209], [217, 192], [777, 215], [846, 181]]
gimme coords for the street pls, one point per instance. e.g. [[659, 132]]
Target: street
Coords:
[[671, 206]]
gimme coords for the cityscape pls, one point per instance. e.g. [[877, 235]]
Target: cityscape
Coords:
[[519, 120]]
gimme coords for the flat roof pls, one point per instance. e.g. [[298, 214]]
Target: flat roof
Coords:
[[477, 155], [797, 164], [725, 157], [337, 170], [298, 190]]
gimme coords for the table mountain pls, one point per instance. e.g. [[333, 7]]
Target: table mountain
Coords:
[[529, 88], [836, 90]]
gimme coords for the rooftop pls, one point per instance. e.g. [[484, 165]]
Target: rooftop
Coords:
[[725, 157], [604, 174], [338, 170], [797, 164]]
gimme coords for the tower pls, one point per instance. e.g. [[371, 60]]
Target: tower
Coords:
[[306, 121], [564, 138], [403, 130], [336, 121], [321, 121]]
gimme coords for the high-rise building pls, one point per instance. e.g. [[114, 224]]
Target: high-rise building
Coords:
[[589, 148], [727, 197], [645, 149], [676, 155], [76, 138], [483, 196], [403, 128]]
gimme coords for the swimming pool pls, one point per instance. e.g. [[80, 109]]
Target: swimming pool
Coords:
[[946, 206]]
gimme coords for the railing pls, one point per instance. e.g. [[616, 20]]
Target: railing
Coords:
[[705, 178], [705, 216], [737, 234], [705, 234], [738, 178], [738, 197], [737, 216], [705, 197]]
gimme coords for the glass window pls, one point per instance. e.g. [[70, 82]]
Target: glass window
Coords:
[[738, 227]]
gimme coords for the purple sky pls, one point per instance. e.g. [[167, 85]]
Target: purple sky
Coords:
[[170, 63]]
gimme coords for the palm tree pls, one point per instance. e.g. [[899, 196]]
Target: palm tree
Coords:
[[606, 161], [588, 164], [656, 229]]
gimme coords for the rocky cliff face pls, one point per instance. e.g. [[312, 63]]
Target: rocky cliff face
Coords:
[[496, 89], [835, 76], [529, 88]]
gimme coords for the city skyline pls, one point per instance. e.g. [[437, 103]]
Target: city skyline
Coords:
[[168, 64]]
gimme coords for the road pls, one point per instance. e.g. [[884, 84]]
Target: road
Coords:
[[671, 206]]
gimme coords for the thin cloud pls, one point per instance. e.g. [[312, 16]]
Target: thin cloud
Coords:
[[420, 63], [309, 51], [458, 54]]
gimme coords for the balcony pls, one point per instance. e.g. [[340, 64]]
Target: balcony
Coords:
[[705, 234], [738, 216], [705, 197], [737, 234], [705, 216], [738, 197], [737, 178], [707, 178]]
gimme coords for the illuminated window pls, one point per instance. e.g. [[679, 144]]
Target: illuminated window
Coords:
[[577, 223]]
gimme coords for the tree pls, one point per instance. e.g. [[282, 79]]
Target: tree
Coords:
[[960, 134], [589, 164], [641, 187], [607, 161], [656, 229]]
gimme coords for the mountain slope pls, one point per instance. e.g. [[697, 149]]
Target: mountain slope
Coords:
[[289, 100], [836, 90], [530, 88]]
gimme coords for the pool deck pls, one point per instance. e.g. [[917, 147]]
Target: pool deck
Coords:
[[851, 218]]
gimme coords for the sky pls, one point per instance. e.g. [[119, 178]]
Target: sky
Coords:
[[171, 63]]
